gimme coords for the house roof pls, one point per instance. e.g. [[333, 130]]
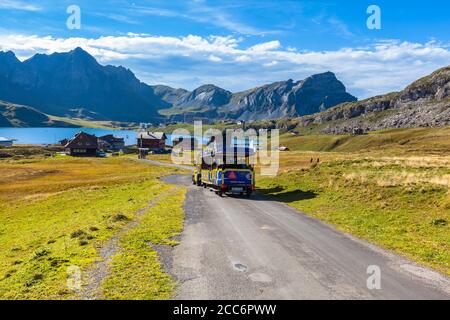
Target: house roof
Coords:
[[110, 138], [83, 140], [146, 135]]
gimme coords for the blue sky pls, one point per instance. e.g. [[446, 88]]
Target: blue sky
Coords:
[[241, 44]]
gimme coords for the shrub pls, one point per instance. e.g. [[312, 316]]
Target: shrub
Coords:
[[77, 234], [119, 217], [41, 253], [439, 222]]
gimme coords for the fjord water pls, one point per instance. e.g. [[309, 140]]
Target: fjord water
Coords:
[[53, 135]]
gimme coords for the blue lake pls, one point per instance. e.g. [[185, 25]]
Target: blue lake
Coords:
[[53, 135]]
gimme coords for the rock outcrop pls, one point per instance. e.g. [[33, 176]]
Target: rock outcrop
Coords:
[[424, 103]]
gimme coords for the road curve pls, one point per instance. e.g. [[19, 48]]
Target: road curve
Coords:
[[238, 248]]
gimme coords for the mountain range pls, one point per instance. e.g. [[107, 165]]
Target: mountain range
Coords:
[[73, 84], [424, 103], [282, 99], [64, 83]]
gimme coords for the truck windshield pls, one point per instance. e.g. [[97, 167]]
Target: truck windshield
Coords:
[[236, 166]]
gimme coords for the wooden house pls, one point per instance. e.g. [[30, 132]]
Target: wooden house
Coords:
[[83, 144], [109, 142], [154, 141], [5, 142]]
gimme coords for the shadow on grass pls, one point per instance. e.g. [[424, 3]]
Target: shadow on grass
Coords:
[[279, 194]]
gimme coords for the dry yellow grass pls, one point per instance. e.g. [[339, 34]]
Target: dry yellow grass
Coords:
[[30, 178]]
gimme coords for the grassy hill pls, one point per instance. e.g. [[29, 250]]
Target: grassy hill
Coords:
[[14, 115], [421, 140], [424, 103]]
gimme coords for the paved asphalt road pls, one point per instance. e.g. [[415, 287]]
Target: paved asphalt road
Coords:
[[239, 248]]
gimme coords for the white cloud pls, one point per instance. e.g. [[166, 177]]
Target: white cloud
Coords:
[[18, 5], [226, 61], [266, 46], [340, 27], [117, 17], [214, 58], [243, 59], [271, 63]]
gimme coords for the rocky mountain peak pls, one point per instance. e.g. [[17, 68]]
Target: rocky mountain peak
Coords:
[[206, 96], [59, 82], [8, 56], [79, 51], [424, 103], [435, 86], [8, 62]]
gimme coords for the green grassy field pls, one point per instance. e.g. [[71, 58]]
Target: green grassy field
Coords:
[[58, 213], [82, 123], [391, 188], [136, 272], [423, 141]]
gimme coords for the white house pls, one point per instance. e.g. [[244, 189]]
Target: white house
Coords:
[[4, 142]]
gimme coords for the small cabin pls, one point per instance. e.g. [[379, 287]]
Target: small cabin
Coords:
[[83, 144], [154, 141], [109, 142], [5, 142]]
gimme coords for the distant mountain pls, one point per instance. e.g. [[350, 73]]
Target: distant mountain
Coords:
[[59, 82], [205, 97], [13, 115], [168, 94], [204, 101], [289, 99], [272, 101], [74, 84], [424, 103]]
